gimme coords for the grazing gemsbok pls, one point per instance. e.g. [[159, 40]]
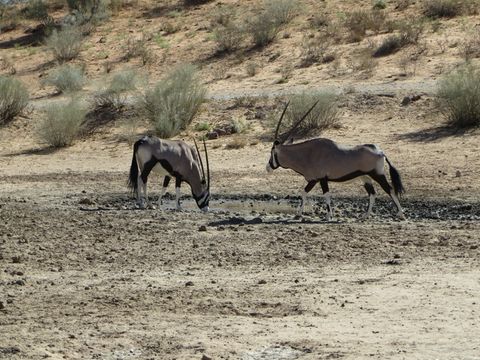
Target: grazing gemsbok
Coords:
[[171, 158], [323, 160]]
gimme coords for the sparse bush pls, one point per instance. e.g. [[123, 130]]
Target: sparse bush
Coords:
[[319, 20], [379, 4], [65, 44], [138, 48], [263, 29], [363, 63], [62, 123], [84, 11], [470, 47], [174, 101], [281, 11], [314, 50], [113, 98], [36, 10], [239, 125], [265, 26], [251, 69], [228, 37], [358, 22], [203, 126], [442, 8], [322, 117], [237, 143], [458, 97], [9, 18], [13, 98], [409, 33], [389, 45], [66, 79], [223, 16]]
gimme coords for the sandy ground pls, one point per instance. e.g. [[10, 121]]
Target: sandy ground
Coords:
[[86, 276]]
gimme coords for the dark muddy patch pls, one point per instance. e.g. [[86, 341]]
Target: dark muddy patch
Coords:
[[256, 209]]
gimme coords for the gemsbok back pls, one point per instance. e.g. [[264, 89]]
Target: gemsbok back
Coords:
[[170, 158], [323, 160]]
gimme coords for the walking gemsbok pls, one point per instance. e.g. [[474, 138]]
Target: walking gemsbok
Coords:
[[171, 158], [323, 160]]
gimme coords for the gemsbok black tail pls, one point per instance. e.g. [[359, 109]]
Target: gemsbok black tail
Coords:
[[133, 176], [396, 179]]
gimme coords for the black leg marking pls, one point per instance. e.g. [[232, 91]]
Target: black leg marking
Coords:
[[178, 181], [382, 180], [147, 167], [166, 181], [370, 189], [324, 184], [310, 185]]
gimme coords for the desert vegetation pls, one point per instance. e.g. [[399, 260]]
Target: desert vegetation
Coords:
[[458, 96], [62, 123], [13, 98], [81, 81], [174, 101]]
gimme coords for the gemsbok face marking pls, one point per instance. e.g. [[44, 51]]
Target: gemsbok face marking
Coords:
[[170, 158], [322, 160]]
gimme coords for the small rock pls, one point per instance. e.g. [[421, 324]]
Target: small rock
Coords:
[[202, 228], [406, 100], [458, 173], [262, 282], [212, 135], [205, 357], [16, 259], [2, 306], [86, 201], [189, 283]]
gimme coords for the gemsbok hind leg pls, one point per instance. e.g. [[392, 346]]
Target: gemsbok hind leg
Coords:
[[166, 181], [382, 180], [328, 200], [367, 184]]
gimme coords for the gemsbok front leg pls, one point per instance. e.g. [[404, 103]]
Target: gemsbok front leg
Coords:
[[326, 195], [308, 188], [178, 183]]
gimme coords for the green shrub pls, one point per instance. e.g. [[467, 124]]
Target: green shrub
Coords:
[[85, 11], [359, 21], [66, 79], [113, 97], [228, 37], [281, 11], [389, 45], [265, 26], [323, 116], [62, 123], [13, 98], [65, 44], [172, 104], [409, 33], [442, 8], [35, 10], [379, 4], [458, 97], [263, 29]]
